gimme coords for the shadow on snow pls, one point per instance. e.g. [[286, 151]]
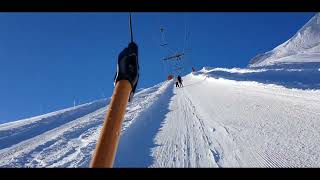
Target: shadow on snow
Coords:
[[299, 76], [136, 143]]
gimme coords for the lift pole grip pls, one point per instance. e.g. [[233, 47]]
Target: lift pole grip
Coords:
[[107, 144]]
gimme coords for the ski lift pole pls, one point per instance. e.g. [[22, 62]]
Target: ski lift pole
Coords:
[[126, 81]]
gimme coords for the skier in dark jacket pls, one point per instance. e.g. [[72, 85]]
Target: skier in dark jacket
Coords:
[[177, 84], [180, 81]]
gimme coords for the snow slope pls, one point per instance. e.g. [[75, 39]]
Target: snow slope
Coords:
[[298, 76], [210, 122], [225, 123], [303, 47], [64, 138]]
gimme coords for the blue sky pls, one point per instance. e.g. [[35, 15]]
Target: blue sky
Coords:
[[49, 59]]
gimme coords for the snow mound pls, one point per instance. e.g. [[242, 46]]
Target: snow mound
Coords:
[[232, 70], [298, 76]]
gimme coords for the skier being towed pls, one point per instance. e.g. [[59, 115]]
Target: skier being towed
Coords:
[[179, 82]]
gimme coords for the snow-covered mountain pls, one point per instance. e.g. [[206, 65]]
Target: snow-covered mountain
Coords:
[[303, 47], [220, 118]]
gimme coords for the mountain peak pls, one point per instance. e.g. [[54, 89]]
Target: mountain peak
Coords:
[[304, 46]]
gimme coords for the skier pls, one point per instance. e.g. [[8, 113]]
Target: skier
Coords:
[[177, 84], [180, 81]]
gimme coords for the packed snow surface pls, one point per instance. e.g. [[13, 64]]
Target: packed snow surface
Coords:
[[215, 120], [267, 115]]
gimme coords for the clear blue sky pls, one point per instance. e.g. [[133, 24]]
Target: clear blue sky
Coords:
[[49, 59]]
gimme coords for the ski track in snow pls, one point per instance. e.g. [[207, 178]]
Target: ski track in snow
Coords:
[[210, 122], [67, 145], [264, 116], [224, 123]]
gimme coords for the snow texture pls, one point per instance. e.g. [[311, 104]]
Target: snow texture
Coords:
[[267, 115], [210, 122]]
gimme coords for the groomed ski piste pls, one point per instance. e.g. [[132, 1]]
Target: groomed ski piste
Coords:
[[210, 122], [267, 115]]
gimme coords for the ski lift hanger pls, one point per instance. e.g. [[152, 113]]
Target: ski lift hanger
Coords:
[[174, 62], [176, 56]]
